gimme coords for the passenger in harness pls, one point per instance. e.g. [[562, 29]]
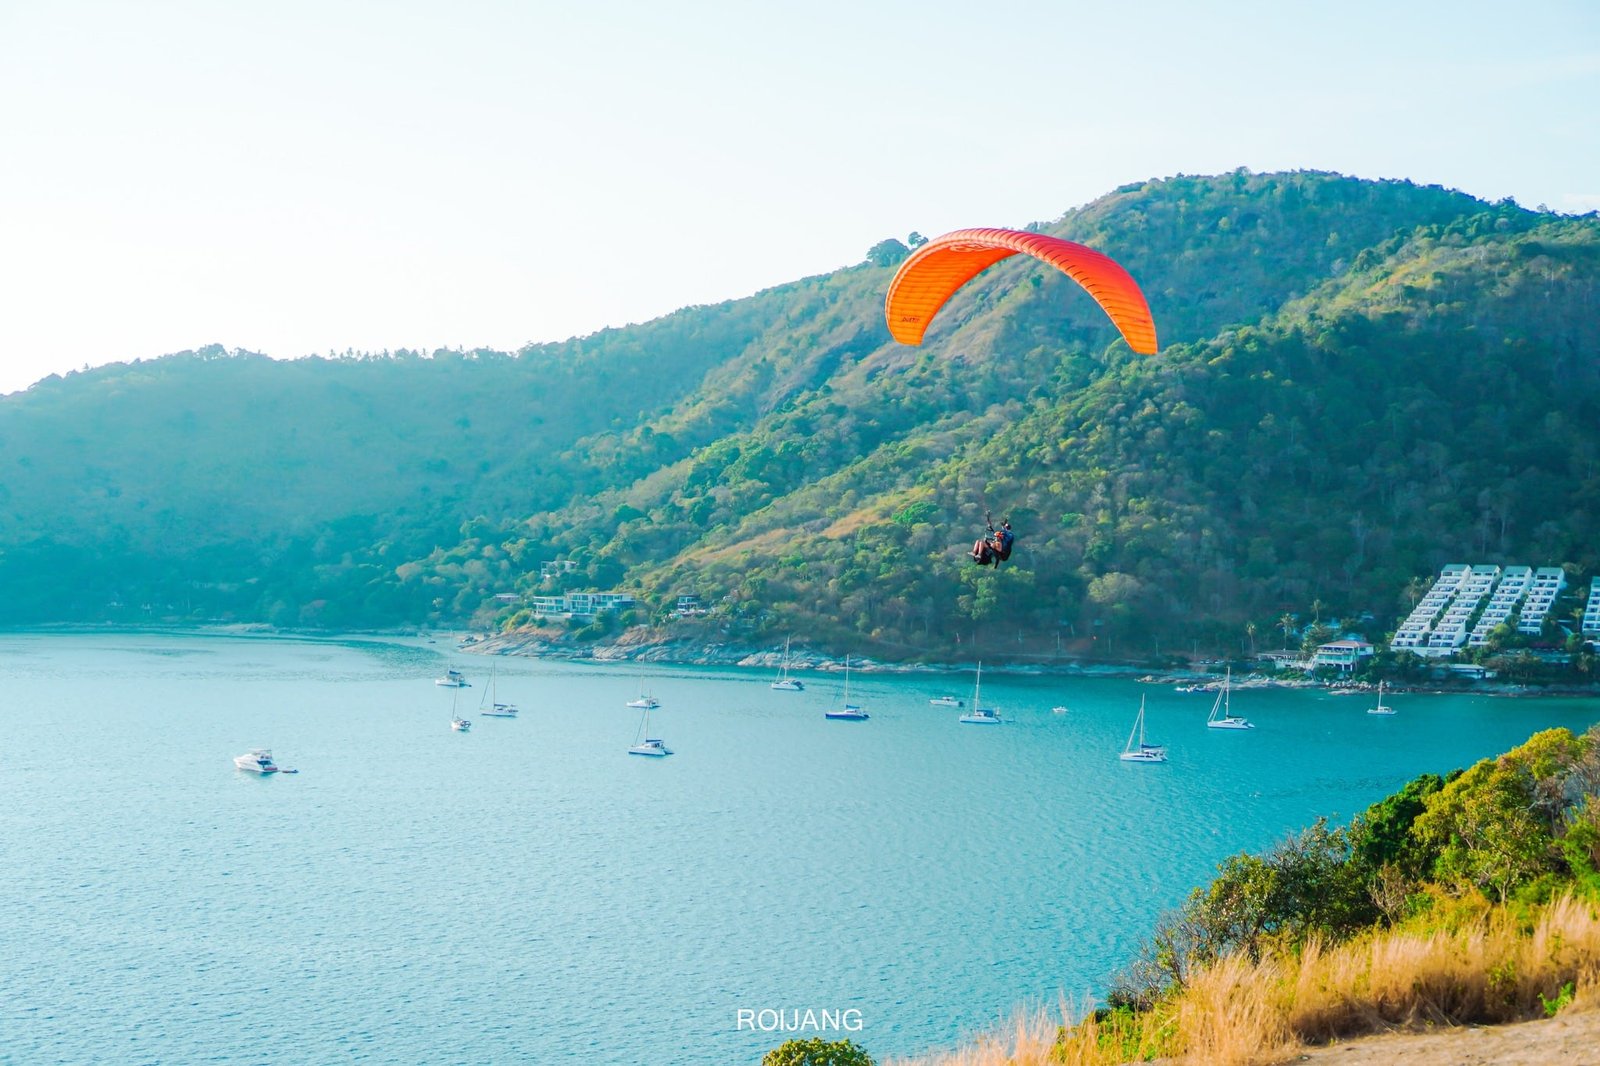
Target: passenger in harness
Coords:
[[995, 548]]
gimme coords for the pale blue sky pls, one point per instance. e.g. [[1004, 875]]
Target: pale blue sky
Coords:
[[294, 177]]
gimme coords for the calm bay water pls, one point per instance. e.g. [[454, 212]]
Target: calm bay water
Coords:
[[528, 892]]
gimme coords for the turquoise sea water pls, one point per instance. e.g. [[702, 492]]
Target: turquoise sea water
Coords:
[[528, 892]]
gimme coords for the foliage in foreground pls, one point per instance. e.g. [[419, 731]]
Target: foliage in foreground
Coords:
[[817, 1052], [1469, 898], [1500, 967]]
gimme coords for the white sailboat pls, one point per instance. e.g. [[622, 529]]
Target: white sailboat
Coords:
[[1222, 716], [645, 701], [1382, 708], [644, 743], [980, 715], [453, 678], [1144, 752], [785, 683], [457, 723], [849, 712], [491, 707]]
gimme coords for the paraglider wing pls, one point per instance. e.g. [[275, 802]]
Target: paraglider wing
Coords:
[[936, 270]]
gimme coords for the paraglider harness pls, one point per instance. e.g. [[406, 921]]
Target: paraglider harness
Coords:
[[996, 547]]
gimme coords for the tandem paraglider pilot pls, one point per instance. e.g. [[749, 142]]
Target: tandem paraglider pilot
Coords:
[[995, 548]]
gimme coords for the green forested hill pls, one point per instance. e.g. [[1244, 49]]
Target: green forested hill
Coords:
[[1359, 381]]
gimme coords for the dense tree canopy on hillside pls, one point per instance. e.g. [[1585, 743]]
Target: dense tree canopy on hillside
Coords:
[[1363, 380]]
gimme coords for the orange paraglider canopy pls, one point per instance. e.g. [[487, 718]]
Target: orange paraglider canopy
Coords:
[[936, 270]]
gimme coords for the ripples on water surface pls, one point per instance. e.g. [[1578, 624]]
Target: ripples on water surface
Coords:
[[529, 892]]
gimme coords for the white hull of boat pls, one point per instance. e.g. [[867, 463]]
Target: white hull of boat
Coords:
[[256, 762], [1143, 752], [785, 683], [1148, 755], [1222, 716]]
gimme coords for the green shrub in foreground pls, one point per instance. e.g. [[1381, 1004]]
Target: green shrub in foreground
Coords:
[[817, 1052]]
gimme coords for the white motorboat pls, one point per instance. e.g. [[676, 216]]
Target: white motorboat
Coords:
[[258, 761], [980, 715], [1222, 716], [946, 701], [1143, 752], [785, 683], [847, 711], [644, 743], [453, 678], [1382, 708]]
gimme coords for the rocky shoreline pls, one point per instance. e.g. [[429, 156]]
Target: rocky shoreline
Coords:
[[635, 647]]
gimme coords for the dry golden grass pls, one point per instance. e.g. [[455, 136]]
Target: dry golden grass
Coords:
[[1238, 1013]]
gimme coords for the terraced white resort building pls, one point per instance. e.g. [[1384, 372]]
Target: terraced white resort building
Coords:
[[1467, 602]]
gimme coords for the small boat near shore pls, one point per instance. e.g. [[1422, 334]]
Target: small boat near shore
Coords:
[[1143, 752], [848, 712], [1222, 716], [785, 683], [490, 706], [645, 744], [946, 701], [980, 715]]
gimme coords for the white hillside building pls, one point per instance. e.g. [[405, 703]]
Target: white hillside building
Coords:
[[1591, 613], [1467, 602], [1548, 581], [1413, 632], [1514, 585], [1450, 631]]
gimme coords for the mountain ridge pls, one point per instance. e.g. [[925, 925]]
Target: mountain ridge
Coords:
[[780, 457]]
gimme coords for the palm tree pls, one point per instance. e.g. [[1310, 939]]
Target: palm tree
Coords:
[[1415, 588], [1286, 623], [1250, 631]]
